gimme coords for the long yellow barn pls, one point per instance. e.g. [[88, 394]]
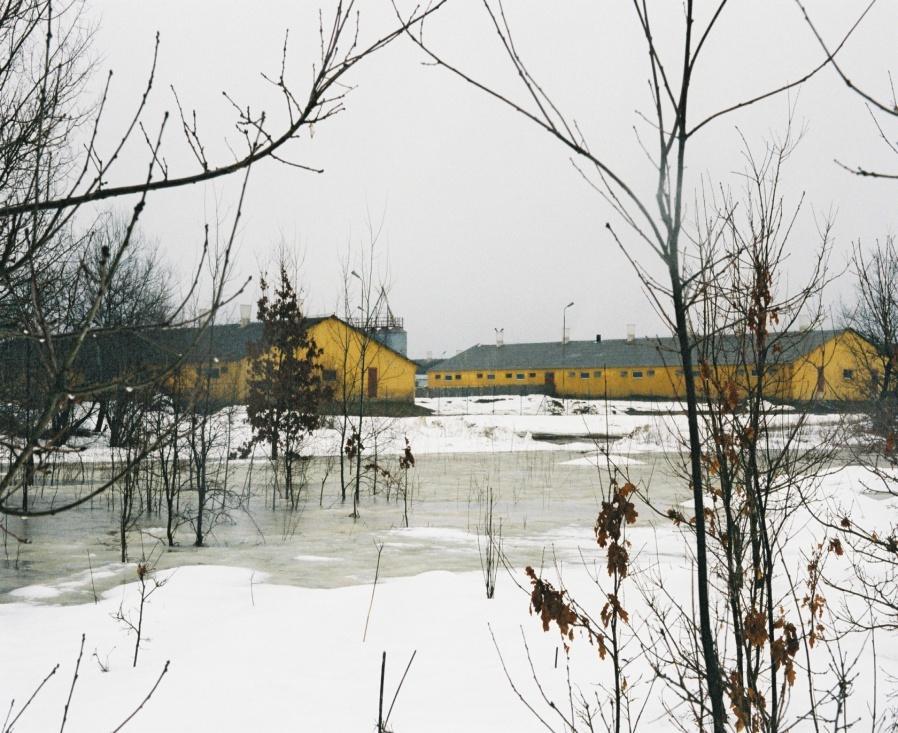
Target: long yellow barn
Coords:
[[351, 360], [809, 365]]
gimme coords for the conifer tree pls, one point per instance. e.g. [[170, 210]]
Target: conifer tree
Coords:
[[285, 385]]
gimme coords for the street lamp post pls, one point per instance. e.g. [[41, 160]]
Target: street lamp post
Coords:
[[563, 343], [358, 277], [564, 323]]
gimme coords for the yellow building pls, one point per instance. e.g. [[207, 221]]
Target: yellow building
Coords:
[[824, 365], [351, 360]]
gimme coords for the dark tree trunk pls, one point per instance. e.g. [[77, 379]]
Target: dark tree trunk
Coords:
[[101, 416], [709, 653]]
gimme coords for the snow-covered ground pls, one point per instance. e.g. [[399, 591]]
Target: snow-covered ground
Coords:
[[498, 424], [250, 653]]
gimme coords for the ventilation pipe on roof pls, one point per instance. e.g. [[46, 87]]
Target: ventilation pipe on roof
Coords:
[[245, 314], [631, 333], [598, 338], [500, 336]]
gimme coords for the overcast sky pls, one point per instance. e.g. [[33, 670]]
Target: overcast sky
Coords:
[[484, 221]]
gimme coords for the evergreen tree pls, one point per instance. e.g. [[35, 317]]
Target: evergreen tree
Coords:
[[285, 384]]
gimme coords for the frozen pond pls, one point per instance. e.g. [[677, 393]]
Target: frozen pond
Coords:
[[547, 502]]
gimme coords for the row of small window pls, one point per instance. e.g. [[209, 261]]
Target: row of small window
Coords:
[[480, 375], [847, 374], [636, 374], [329, 375]]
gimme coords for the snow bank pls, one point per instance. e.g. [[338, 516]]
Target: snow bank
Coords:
[[247, 654]]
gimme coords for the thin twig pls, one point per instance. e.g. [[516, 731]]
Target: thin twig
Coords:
[[65, 712], [145, 700], [396, 694], [8, 729], [380, 547]]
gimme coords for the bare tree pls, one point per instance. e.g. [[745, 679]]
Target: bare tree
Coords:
[[358, 378], [147, 584], [138, 295], [209, 498], [656, 223], [756, 458], [489, 540], [879, 105], [46, 181], [871, 542], [874, 316]]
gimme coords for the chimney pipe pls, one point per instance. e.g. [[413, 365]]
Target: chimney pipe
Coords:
[[598, 338], [631, 333], [245, 314]]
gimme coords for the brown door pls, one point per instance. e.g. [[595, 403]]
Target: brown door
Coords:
[[550, 382], [372, 382]]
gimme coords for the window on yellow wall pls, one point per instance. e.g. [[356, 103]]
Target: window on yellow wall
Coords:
[[584, 375], [637, 375], [508, 375], [519, 375], [848, 375], [437, 376], [330, 375], [650, 373], [624, 373], [490, 376], [479, 375], [531, 375], [597, 374], [458, 376], [572, 374]]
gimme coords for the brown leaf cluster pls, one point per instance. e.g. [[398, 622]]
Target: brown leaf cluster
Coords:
[[407, 459], [755, 626], [676, 516], [613, 608], [730, 396], [609, 528], [741, 700], [760, 313], [552, 604], [813, 600], [785, 647], [353, 445]]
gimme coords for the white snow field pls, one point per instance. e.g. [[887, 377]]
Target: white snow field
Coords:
[[253, 647], [504, 424]]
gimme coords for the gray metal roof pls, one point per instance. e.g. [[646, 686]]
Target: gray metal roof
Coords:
[[614, 353]]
